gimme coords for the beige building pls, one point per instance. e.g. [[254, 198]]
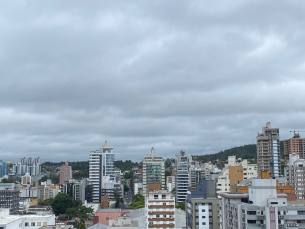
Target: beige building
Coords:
[[268, 150], [159, 210], [65, 173], [233, 173]]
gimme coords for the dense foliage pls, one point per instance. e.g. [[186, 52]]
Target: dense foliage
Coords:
[[8, 180], [126, 165], [181, 206], [61, 203], [138, 202], [244, 152]]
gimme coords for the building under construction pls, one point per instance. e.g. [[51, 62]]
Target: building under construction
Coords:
[[268, 150], [9, 197]]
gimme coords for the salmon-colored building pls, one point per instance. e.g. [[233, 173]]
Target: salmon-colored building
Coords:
[[104, 215], [294, 145], [65, 173]]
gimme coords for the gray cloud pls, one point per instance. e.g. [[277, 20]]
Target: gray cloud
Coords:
[[198, 76]]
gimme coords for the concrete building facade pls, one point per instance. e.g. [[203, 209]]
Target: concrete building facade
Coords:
[[24, 221], [9, 198], [268, 150], [65, 173], [233, 173], [296, 145], [202, 207], [182, 167], [262, 207], [153, 171], [95, 174], [295, 171], [170, 183], [159, 210]]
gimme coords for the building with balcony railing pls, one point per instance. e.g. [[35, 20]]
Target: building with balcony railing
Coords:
[[261, 207], [159, 210]]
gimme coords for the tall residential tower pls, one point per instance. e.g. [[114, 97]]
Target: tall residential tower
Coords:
[[101, 169], [182, 163], [268, 150], [153, 171], [296, 145]]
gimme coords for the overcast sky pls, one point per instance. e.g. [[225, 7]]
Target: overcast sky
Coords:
[[201, 76]]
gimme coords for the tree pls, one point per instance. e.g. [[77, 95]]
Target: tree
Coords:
[[83, 215], [61, 203], [48, 202], [70, 213], [181, 205], [43, 179], [138, 202], [8, 180]]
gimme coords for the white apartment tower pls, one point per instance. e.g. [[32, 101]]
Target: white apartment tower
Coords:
[[159, 210], [107, 162], [95, 174], [295, 171], [153, 171], [182, 164], [268, 150], [100, 168]]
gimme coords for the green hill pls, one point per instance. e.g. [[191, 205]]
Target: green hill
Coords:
[[244, 152]]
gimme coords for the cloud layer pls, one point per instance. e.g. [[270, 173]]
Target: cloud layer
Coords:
[[198, 76]]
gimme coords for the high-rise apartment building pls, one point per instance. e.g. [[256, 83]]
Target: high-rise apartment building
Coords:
[[28, 165], [296, 145], [197, 173], [182, 166], [159, 210], [268, 150], [202, 206], [95, 174], [101, 170], [295, 171], [3, 169], [9, 197], [153, 171], [107, 163], [65, 173]]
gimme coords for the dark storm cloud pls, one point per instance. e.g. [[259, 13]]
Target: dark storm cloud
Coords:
[[192, 75]]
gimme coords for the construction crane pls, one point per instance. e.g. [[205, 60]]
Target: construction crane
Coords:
[[294, 132]]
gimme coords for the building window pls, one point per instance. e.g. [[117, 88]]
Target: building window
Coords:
[[45, 223], [157, 216], [203, 217], [156, 197], [203, 223], [203, 210], [26, 224], [38, 223], [33, 224], [107, 218], [163, 197], [164, 203]]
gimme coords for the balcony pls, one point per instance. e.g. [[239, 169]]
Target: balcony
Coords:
[[260, 217]]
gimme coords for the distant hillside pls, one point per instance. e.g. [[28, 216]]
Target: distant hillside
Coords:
[[244, 152]]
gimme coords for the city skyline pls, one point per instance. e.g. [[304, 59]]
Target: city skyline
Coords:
[[195, 76]]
